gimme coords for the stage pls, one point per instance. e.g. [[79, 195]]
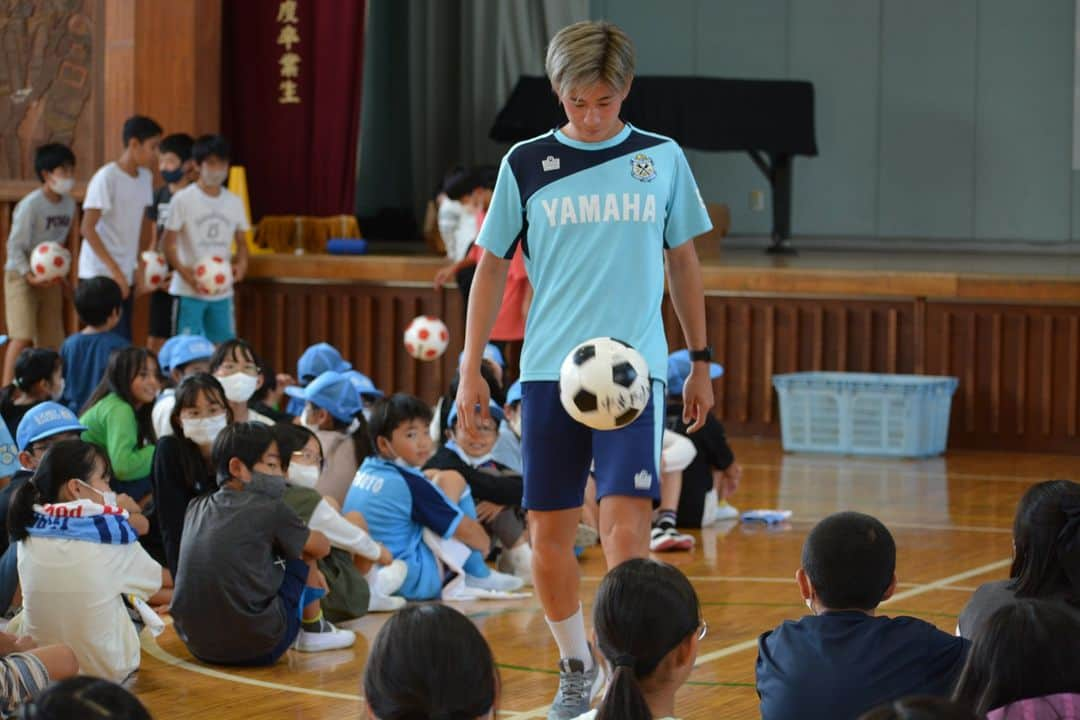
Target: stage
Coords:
[[1007, 325]]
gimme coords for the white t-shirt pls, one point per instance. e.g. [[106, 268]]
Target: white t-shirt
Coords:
[[72, 594], [206, 227], [122, 200]]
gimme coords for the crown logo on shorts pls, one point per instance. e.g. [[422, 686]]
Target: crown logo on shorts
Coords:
[[550, 163]]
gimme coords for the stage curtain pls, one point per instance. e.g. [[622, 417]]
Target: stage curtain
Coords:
[[298, 143], [457, 68]]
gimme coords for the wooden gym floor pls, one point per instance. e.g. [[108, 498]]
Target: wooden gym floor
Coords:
[[951, 518]]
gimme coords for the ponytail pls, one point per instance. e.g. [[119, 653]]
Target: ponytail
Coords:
[[644, 610], [361, 439], [32, 366]]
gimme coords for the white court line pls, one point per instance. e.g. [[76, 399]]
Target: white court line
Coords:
[[782, 581], [945, 582], [923, 526], [906, 470], [150, 647]]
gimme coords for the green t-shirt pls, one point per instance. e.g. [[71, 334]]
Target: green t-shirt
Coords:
[[111, 425]]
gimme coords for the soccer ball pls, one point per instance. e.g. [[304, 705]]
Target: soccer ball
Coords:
[[213, 275], [50, 261], [156, 271], [426, 337], [604, 383]]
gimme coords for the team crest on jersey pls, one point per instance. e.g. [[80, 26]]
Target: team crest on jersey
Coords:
[[642, 168]]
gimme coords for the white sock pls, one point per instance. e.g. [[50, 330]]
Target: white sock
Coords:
[[571, 639]]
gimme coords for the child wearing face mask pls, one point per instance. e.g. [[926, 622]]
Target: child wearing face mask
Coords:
[[494, 492], [248, 583], [182, 469], [205, 219], [78, 560], [236, 366], [32, 306], [118, 418], [178, 171], [400, 503], [180, 356], [39, 376], [362, 574], [334, 412]]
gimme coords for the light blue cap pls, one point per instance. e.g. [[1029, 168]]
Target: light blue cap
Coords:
[[363, 384], [331, 391], [183, 349], [678, 369], [45, 420], [513, 394], [317, 359]]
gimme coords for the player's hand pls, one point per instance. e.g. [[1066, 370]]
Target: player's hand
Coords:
[[473, 391], [239, 271], [385, 558], [486, 511], [697, 397], [189, 277], [445, 275], [126, 503], [34, 281], [119, 279]]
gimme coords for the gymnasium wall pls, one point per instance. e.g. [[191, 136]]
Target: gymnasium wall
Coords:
[[940, 120]]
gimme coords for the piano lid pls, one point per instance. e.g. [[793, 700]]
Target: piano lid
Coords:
[[718, 114]]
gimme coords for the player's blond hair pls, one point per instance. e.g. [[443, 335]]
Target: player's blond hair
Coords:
[[589, 52]]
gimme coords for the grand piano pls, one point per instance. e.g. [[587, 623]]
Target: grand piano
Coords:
[[771, 120]]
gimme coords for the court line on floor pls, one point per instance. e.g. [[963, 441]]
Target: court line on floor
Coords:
[[902, 470], [781, 581]]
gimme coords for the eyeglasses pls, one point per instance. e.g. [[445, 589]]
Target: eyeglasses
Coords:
[[308, 457]]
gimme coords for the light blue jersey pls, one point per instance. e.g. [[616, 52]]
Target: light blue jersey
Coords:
[[594, 220], [398, 504]]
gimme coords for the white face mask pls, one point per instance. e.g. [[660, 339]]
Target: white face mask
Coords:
[[61, 186], [303, 475], [239, 387], [213, 178], [203, 431], [108, 497], [59, 391]]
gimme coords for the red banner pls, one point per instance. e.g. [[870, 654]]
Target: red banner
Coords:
[[291, 101]]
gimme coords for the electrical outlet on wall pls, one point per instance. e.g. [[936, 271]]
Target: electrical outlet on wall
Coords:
[[757, 200]]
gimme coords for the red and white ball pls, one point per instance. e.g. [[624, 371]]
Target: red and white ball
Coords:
[[155, 270], [213, 275], [50, 261], [426, 338]]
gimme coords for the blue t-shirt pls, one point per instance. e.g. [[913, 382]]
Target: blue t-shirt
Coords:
[[594, 220], [85, 359], [397, 505], [838, 665]]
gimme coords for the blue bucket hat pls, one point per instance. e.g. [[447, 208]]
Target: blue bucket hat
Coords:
[[183, 349], [317, 359], [43, 421], [331, 391], [363, 384], [513, 394], [491, 353], [496, 413], [678, 369]]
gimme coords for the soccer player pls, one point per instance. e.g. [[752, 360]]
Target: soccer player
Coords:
[[597, 206]]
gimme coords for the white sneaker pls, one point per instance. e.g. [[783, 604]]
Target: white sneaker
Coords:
[[495, 581], [384, 603], [708, 512], [586, 536], [669, 540], [329, 638], [388, 579], [517, 562], [726, 511]]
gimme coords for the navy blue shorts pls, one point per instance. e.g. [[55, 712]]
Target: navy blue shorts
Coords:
[[557, 452]]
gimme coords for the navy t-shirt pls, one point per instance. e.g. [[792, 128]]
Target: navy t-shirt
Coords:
[[86, 356], [838, 665]]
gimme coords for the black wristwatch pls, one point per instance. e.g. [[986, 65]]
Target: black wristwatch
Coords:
[[703, 355]]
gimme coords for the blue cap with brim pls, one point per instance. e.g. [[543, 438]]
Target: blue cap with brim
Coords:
[[183, 349], [491, 353], [45, 420], [493, 408], [318, 359], [363, 384], [513, 395], [678, 369], [331, 391]]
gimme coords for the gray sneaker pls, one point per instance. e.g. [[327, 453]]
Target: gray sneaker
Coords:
[[577, 688]]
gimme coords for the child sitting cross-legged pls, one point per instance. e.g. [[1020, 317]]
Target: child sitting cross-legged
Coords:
[[494, 489], [400, 503], [362, 574], [248, 586], [845, 659]]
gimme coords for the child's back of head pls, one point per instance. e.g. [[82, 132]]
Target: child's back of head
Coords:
[[85, 697], [647, 620], [850, 560], [98, 300], [1026, 650], [920, 707], [430, 661], [1046, 536]]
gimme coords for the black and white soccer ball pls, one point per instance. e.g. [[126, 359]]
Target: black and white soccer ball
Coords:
[[604, 383]]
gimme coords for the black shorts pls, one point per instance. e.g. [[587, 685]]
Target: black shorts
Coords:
[[162, 314]]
